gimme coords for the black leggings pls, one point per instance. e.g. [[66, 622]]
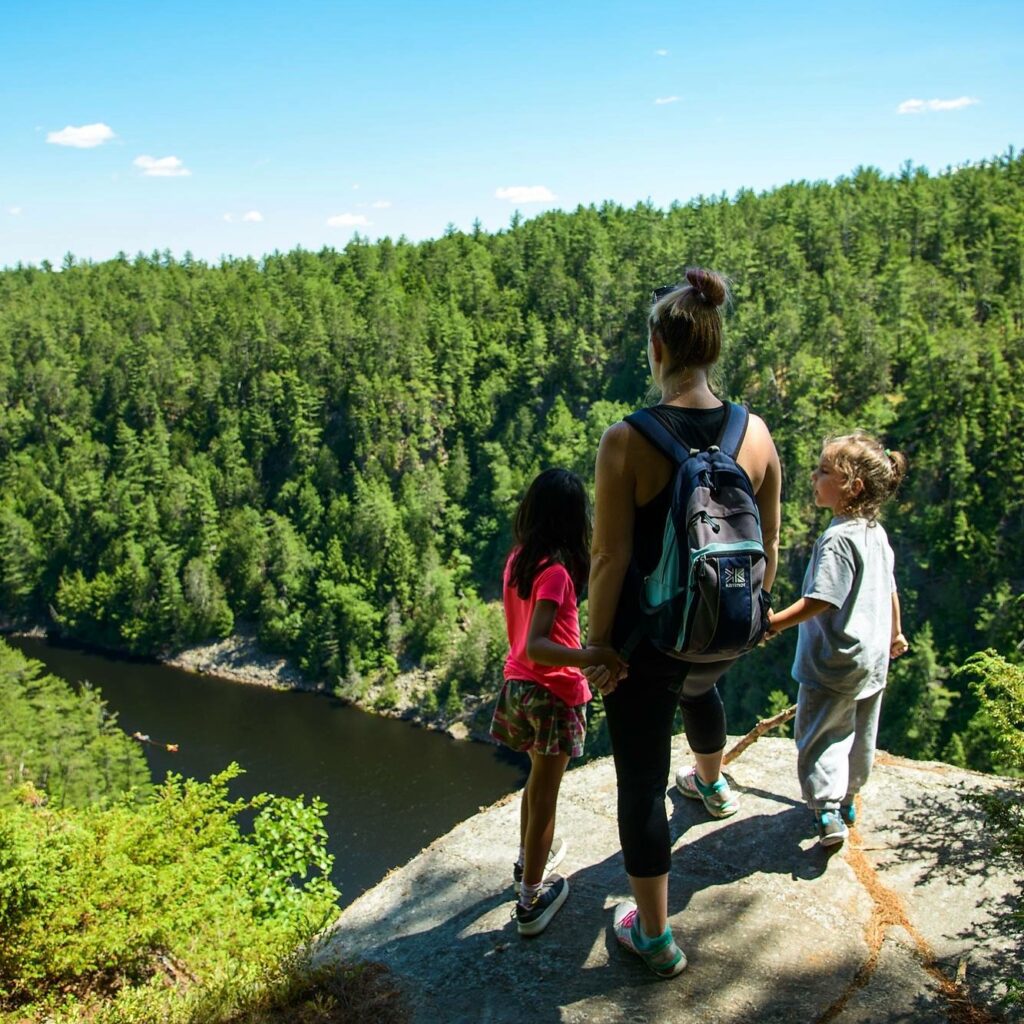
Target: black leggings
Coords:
[[640, 716]]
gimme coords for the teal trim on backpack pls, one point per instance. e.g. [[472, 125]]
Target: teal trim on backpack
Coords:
[[738, 548], [662, 585]]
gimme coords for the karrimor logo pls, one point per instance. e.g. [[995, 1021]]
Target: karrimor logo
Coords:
[[734, 576]]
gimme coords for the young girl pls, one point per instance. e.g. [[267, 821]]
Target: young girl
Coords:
[[849, 619], [542, 706]]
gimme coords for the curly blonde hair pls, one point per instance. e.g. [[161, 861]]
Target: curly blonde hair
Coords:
[[863, 457]]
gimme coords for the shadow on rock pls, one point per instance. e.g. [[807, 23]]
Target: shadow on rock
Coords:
[[743, 846], [474, 967]]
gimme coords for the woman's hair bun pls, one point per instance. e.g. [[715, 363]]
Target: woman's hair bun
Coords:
[[708, 285]]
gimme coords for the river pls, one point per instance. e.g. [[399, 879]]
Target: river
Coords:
[[391, 788]]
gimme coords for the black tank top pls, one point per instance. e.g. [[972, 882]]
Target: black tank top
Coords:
[[695, 428]]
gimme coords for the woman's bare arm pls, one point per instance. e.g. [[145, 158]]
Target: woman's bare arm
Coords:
[[612, 546], [768, 494]]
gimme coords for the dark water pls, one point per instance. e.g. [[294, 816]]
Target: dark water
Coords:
[[391, 788]]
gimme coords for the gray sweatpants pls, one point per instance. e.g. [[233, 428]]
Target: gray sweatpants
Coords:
[[835, 742]]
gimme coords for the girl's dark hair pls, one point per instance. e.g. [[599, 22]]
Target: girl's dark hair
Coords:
[[880, 469], [552, 524], [688, 318]]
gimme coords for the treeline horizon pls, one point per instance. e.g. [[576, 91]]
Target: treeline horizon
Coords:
[[328, 447]]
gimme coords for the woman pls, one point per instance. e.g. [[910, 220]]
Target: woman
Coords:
[[632, 500]]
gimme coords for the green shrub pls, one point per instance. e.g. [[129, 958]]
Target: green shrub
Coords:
[[998, 686], [120, 901]]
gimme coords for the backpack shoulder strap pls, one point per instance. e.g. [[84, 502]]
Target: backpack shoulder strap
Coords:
[[650, 427], [734, 429]]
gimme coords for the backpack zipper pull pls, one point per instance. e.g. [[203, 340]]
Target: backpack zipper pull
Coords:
[[705, 517], [699, 570]]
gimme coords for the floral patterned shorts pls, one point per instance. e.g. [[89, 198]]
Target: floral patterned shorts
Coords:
[[530, 717]]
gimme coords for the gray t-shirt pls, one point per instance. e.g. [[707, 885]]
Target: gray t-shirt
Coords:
[[846, 649]]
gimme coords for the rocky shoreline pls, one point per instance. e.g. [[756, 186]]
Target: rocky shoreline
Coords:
[[407, 696]]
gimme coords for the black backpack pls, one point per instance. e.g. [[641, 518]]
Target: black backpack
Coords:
[[705, 599]]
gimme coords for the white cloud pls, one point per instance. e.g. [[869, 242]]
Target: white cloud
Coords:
[[661, 53], [347, 220], [927, 106], [162, 167], [525, 194], [14, 211], [84, 136], [356, 187], [252, 216], [228, 217], [382, 204], [662, 100]]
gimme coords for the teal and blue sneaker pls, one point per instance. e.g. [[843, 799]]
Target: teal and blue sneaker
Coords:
[[718, 798], [848, 812], [832, 829], [661, 955]]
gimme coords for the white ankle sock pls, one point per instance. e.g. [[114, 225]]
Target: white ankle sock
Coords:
[[528, 893]]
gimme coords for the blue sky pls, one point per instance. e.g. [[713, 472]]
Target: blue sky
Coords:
[[228, 128]]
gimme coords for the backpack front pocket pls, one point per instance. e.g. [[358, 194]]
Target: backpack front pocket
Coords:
[[723, 613]]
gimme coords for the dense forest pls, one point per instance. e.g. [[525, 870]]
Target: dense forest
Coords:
[[326, 448]]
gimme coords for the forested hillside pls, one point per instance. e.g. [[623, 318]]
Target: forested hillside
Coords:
[[328, 446]]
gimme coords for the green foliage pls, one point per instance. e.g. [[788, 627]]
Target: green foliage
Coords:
[[124, 903], [453, 705], [288, 842], [996, 729], [64, 743], [478, 657], [329, 446], [101, 900], [998, 686], [778, 701], [916, 701]]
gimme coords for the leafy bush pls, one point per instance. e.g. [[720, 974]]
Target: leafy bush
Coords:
[[989, 720], [135, 901], [998, 686]]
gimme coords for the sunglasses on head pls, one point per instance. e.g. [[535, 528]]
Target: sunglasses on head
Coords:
[[660, 293]]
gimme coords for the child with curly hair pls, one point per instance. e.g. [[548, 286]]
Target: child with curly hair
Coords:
[[849, 628]]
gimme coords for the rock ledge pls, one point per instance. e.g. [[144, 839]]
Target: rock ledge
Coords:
[[776, 930]]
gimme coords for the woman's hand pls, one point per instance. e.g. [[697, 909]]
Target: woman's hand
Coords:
[[604, 669]]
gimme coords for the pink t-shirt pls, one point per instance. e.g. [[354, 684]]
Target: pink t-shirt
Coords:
[[552, 583]]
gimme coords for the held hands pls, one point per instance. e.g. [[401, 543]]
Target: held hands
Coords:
[[604, 668], [773, 629], [899, 646]]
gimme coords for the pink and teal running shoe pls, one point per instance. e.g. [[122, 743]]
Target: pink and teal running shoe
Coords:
[[661, 955]]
